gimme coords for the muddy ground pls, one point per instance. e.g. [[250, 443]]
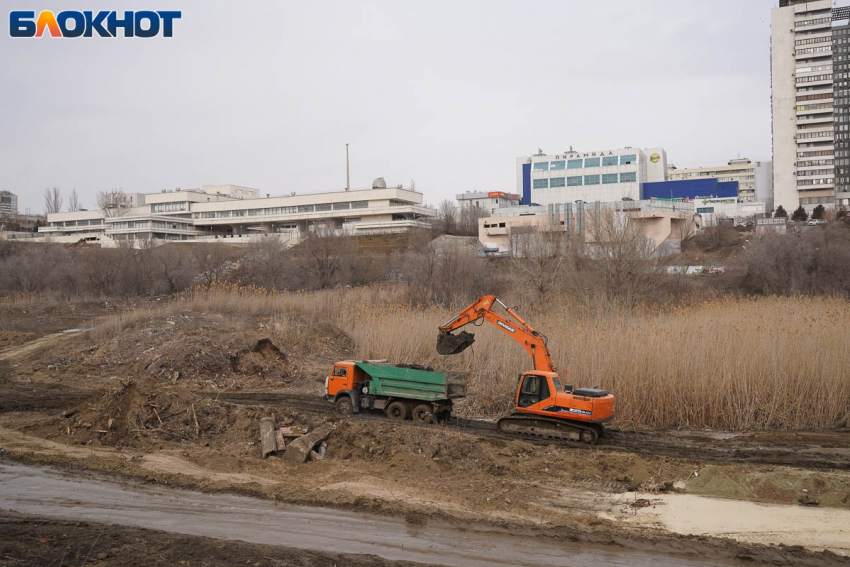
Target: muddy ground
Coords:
[[29, 541], [146, 400]]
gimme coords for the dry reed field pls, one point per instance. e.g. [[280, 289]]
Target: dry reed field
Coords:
[[733, 364]]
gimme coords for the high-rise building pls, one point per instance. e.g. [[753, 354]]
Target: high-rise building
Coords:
[[755, 180], [841, 110], [8, 203], [807, 125]]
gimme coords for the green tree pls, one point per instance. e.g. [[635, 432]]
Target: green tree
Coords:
[[818, 212], [780, 212], [800, 214]]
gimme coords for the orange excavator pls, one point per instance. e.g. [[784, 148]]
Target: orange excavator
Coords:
[[544, 407]]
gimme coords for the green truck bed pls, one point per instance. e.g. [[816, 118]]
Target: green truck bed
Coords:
[[399, 382]]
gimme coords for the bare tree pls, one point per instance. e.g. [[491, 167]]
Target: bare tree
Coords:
[[213, 260], [113, 203], [52, 200], [74, 201], [469, 219], [539, 258], [447, 216], [322, 253]]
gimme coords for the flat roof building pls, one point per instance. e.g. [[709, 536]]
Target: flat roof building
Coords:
[[755, 180], [488, 201], [602, 175], [239, 213]]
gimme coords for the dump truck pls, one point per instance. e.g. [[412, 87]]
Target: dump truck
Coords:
[[401, 391]]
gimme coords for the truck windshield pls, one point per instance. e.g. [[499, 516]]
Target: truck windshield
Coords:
[[557, 383]]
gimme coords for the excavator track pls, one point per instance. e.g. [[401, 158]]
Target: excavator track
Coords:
[[550, 428]]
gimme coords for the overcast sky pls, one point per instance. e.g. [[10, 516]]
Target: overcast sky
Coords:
[[445, 93]]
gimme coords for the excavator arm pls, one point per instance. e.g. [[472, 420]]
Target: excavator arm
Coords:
[[533, 342]]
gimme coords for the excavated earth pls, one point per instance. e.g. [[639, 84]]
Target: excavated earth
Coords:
[[176, 401]]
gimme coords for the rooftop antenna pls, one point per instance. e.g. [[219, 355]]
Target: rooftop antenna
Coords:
[[347, 174]]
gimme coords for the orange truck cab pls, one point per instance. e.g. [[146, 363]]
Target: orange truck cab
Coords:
[[344, 376], [541, 393]]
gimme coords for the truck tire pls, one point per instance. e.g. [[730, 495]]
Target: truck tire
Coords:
[[344, 405], [398, 411], [423, 413]]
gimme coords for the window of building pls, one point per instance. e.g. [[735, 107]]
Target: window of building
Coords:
[[359, 204], [574, 164], [305, 208], [609, 160], [222, 214], [558, 164], [342, 206], [255, 212], [541, 166], [323, 207], [703, 210], [608, 178], [273, 211], [574, 181], [239, 213], [628, 159], [628, 177], [557, 182], [591, 180], [591, 162], [167, 207], [540, 184]]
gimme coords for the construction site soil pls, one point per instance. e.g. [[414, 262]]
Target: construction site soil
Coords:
[[176, 399]]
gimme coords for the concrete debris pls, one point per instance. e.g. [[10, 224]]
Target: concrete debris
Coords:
[[69, 413], [268, 441], [319, 453], [280, 440], [300, 450], [294, 430]]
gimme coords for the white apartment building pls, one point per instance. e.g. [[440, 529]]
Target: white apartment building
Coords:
[[8, 203], [802, 96], [487, 201], [601, 175], [755, 180], [239, 213]]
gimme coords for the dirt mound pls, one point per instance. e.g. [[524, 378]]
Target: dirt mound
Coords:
[[145, 412]]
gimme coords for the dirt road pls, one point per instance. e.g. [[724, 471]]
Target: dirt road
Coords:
[[823, 450], [46, 493]]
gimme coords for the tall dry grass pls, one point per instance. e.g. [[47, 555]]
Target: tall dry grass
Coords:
[[737, 364]]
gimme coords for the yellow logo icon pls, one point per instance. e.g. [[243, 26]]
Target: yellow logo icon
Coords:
[[654, 158]]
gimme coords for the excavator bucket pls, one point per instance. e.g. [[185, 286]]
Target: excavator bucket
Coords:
[[454, 344]]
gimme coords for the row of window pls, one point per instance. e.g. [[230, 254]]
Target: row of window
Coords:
[[578, 180], [814, 78], [168, 207], [814, 153], [824, 181], [812, 22], [84, 222], [813, 69], [148, 224], [814, 162], [284, 210], [811, 172], [821, 96], [813, 50], [804, 107], [604, 161], [819, 134], [816, 200], [811, 40]]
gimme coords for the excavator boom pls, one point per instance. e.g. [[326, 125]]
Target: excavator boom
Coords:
[[533, 342]]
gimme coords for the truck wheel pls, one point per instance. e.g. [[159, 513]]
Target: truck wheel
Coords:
[[398, 411], [423, 414], [344, 405]]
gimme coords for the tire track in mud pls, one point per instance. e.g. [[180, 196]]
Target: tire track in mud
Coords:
[[696, 445]]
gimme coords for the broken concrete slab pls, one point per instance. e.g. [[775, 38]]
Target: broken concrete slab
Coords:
[[299, 450], [294, 430], [267, 436], [280, 440]]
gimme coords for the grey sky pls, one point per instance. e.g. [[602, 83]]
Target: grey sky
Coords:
[[446, 93]]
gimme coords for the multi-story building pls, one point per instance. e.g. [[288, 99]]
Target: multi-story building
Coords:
[[607, 175], [234, 212], [487, 201], [755, 180], [8, 203], [803, 90], [841, 111]]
